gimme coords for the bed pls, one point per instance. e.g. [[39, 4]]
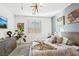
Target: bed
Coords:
[[45, 48], [57, 50]]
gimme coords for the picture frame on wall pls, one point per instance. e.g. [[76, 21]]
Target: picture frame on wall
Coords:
[[61, 21], [3, 22], [20, 27], [34, 26], [73, 17]]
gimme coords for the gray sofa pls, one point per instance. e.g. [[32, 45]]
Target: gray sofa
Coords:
[[7, 46]]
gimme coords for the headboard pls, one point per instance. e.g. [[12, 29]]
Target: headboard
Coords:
[[74, 36]]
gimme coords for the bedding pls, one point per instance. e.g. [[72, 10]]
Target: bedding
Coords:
[[57, 39], [60, 52], [66, 51], [42, 46], [55, 50], [54, 46]]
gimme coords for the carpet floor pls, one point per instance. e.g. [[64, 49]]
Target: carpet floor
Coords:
[[21, 50]]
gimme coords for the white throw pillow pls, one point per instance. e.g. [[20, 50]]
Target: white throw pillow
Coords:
[[64, 40]]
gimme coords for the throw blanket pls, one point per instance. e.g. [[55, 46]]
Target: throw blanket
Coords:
[[57, 52]]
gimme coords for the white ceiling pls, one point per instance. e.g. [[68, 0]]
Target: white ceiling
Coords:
[[47, 9]]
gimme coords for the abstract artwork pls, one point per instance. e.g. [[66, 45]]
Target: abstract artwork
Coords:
[[20, 27], [3, 22], [34, 26], [73, 17]]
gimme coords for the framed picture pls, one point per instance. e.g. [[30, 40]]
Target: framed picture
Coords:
[[34, 26], [20, 27], [61, 21], [73, 17], [3, 22]]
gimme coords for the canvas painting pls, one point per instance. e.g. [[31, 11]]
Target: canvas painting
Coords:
[[34, 26], [20, 27], [73, 17], [3, 22]]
